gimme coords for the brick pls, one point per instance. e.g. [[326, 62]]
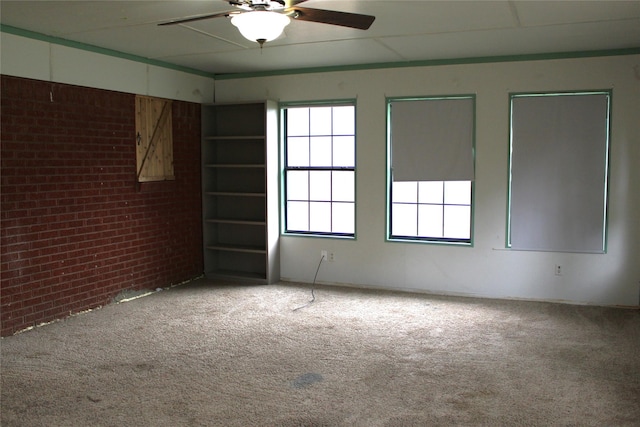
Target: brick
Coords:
[[71, 207]]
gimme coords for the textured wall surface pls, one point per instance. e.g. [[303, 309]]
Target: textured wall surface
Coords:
[[76, 229]]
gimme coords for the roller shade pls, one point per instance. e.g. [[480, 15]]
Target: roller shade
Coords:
[[559, 172], [432, 139]]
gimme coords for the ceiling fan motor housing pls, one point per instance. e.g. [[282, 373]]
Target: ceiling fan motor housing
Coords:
[[258, 4]]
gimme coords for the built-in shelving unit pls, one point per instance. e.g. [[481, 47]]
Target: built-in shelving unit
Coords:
[[240, 191]]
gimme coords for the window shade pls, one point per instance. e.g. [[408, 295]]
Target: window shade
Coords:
[[432, 139], [559, 148]]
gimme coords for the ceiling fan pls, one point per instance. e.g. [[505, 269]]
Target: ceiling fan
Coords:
[[264, 20]]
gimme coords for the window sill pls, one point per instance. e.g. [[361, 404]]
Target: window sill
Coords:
[[444, 242], [319, 235]]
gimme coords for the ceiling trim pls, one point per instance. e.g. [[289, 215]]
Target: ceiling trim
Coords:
[[101, 50], [437, 62], [369, 66]]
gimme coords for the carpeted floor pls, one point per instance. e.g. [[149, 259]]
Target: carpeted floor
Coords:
[[209, 355]]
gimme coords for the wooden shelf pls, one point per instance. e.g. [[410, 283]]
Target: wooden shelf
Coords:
[[232, 137], [234, 194], [240, 190], [231, 165], [235, 221], [238, 248], [236, 274]]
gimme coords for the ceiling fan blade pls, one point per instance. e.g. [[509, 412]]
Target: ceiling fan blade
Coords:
[[195, 18], [343, 19]]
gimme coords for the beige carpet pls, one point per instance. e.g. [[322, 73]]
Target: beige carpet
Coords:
[[210, 355]]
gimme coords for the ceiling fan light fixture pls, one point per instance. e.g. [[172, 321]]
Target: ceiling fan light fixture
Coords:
[[260, 25]]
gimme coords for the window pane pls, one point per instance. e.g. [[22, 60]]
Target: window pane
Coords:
[[298, 151], [320, 185], [343, 186], [297, 185], [430, 221], [404, 220], [320, 121], [457, 192], [430, 192], [297, 121], [344, 151], [297, 216], [320, 147], [457, 222], [343, 120], [320, 216], [405, 192], [343, 218]]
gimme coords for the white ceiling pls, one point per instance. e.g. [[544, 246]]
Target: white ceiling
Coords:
[[403, 31]]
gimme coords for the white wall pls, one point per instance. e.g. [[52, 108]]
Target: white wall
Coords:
[[487, 269], [40, 60]]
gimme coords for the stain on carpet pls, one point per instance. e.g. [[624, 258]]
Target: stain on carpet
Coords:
[[306, 380]]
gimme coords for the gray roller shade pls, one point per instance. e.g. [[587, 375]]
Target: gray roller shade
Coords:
[[559, 147], [432, 139]]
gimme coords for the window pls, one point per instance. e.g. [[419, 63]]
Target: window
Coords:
[[319, 169], [558, 171], [431, 169]]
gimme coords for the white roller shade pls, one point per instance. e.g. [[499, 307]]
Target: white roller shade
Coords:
[[432, 139]]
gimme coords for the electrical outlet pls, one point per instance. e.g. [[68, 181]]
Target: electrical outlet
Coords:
[[332, 256], [558, 270], [323, 255]]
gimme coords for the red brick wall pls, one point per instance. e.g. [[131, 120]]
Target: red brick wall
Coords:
[[75, 228]]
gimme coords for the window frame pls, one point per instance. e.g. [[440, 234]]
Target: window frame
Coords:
[[448, 241], [282, 107]]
